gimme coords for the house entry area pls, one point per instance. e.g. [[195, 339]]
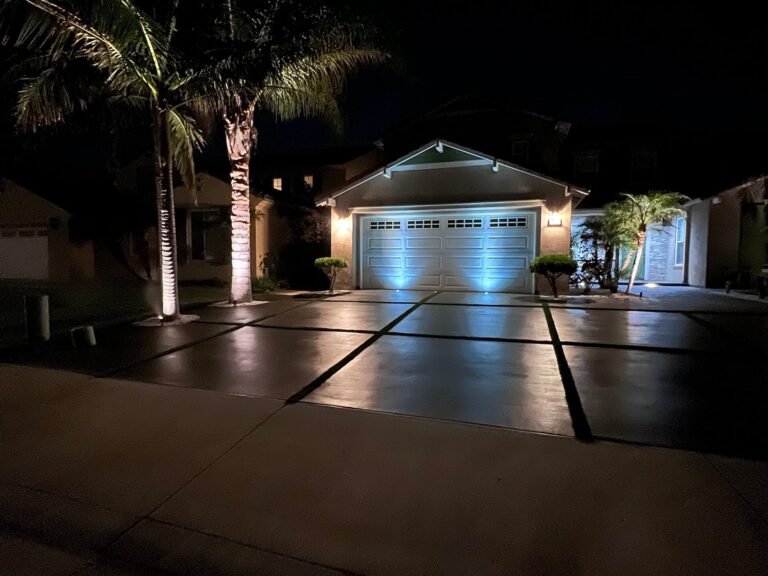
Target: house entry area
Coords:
[[467, 251]]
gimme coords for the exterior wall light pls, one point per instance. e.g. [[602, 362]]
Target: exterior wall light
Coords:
[[554, 219], [343, 225]]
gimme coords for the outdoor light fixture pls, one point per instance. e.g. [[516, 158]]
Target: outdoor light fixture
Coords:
[[554, 219], [651, 285], [343, 225]]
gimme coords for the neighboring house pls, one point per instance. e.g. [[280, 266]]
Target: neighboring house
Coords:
[[203, 230], [664, 257], [721, 238], [446, 217], [34, 239], [728, 238]]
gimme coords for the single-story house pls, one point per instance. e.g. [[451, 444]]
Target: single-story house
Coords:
[[446, 217], [34, 239], [720, 238], [728, 237], [203, 230], [664, 257]]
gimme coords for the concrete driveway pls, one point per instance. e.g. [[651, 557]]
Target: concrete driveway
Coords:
[[379, 433], [684, 368]]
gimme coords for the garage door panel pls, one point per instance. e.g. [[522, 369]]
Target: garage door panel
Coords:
[[466, 243], [385, 262], [385, 243], [434, 243], [24, 255], [423, 280], [468, 279], [423, 262], [513, 262], [464, 262], [509, 242]]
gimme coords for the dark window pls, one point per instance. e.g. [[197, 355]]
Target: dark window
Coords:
[[465, 223], [421, 224], [519, 151], [643, 165], [208, 235], [586, 163]]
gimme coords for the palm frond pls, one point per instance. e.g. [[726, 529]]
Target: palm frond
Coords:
[[186, 138], [311, 85], [111, 43]]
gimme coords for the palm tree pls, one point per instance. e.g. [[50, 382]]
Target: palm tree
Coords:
[[137, 70], [638, 211], [288, 58]]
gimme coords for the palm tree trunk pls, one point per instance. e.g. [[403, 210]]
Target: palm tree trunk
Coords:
[[166, 218], [240, 133], [608, 266], [636, 265]]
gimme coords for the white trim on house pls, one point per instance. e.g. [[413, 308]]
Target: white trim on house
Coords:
[[482, 159], [464, 207]]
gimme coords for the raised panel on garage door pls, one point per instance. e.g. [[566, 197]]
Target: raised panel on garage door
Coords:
[[454, 251]]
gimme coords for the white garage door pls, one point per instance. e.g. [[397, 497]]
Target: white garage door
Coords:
[[487, 252], [24, 253]]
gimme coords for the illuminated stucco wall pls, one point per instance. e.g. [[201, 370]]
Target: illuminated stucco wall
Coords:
[[451, 186], [342, 231]]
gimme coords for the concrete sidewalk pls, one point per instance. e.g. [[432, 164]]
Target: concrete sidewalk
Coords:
[[104, 476]]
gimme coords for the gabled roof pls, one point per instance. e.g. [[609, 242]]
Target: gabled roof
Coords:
[[452, 155]]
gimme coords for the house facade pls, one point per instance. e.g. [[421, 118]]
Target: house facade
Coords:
[[35, 242], [728, 238], [665, 256], [203, 230], [447, 217]]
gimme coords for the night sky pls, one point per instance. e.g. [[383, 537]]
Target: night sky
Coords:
[[585, 62], [610, 64]]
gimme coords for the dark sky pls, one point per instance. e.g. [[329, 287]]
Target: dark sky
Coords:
[[585, 62]]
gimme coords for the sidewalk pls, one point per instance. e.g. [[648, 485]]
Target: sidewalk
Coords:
[[185, 481]]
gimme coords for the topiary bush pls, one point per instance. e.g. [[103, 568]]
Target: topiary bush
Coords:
[[552, 266], [330, 267]]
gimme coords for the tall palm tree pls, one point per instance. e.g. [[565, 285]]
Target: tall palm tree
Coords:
[[289, 58], [642, 210], [137, 69]]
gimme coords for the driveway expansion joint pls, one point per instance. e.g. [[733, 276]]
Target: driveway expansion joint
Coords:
[[578, 417], [320, 380]]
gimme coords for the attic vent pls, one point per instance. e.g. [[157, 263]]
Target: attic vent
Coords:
[[465, 223], [421, 224], [518, 222], [385, 225]]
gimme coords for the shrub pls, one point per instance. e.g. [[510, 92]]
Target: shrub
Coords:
[[552, 266], [263, 285], [330, 267]]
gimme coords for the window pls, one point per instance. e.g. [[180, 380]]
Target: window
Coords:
[[208, 236], [643, 165], [277, 184], [586, 162], [517, 222], [385, 225], [309, 181], [465, 223], [421, 224], [518, 151], [680, 241]]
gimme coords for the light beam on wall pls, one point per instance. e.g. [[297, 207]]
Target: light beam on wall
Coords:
[[554, 219]]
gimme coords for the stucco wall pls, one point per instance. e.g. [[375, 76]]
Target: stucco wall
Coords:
[[723, 240], [450, 186], [698, 241], [660, 257]]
